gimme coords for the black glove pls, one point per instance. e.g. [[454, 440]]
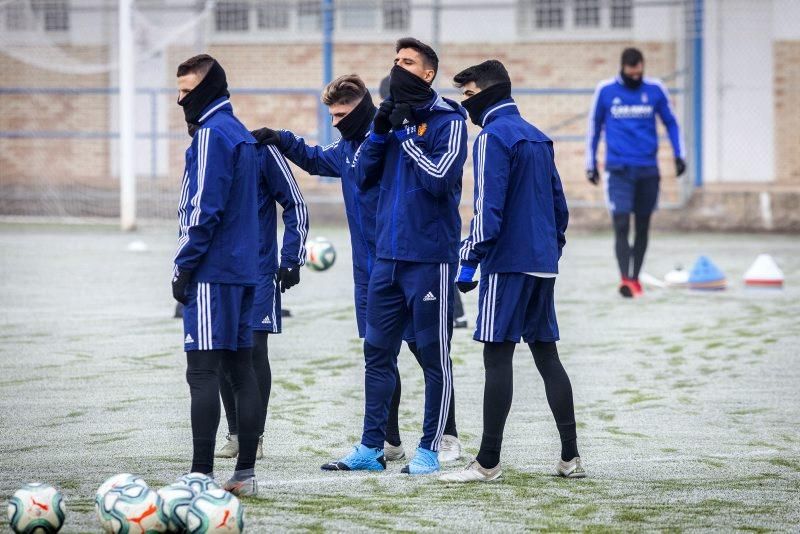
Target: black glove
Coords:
[[593, 176], [680, 166], [267, 136], [381, 123], [179, 282], [288, 277], [400, 114], [464, 282]]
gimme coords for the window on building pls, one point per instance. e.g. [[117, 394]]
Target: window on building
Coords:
[[232, 16], [549, 13], [587, 13], [309, 15], [396, 14], [273, 15], [17, 18], [53, 14], [621, 13], [358, 14]]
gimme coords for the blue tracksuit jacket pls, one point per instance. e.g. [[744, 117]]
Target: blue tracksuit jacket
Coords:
[[277, 185], [218, 212], [520, 213], [336, 160], [419, 169], [629, 118]]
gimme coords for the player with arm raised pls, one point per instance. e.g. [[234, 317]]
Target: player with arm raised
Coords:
[[415, 153], [352, 111]]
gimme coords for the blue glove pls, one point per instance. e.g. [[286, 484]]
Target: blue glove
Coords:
[[464, 282]]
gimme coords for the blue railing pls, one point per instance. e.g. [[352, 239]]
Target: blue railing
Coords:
[[323, 123]]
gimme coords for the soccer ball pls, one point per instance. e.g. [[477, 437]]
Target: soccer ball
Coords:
[[131, 508], [174, 497], [36, 507], [215, 511], [321, 254], [198, 482], [122, 479]]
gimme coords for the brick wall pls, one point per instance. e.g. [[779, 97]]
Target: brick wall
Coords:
[[787, 112]]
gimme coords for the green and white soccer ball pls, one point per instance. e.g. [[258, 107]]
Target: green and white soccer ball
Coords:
[[320, 254], [198, 482], [36, 508], [214, 512], [175, 498], [131, 509], [122, 479]]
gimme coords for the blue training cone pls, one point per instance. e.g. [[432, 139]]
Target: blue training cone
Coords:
[[706, 275]]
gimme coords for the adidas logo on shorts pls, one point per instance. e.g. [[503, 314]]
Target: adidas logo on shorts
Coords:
[[266, 320], [429, 297], [188, 339]]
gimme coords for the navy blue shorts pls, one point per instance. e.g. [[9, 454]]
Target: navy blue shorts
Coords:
[[267, 305], [632, 189], [218, 317], [516, 305]]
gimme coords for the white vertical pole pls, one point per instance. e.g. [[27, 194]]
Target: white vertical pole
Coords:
[[127, 129]]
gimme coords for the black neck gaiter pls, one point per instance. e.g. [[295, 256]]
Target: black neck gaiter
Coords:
[[478, 103], [212, 87], [408, 88], [192, 128], [630, 83], [355, 124]]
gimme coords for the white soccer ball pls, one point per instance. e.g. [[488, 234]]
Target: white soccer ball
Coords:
[[198, 482], [36, 507], [175, 498], [320, 254], [122, 479], [131, 508], [215, 511]]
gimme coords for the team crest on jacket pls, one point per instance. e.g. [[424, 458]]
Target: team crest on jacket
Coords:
[[422, 128]]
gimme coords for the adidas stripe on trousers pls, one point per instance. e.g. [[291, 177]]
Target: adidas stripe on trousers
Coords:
[[422, 294]]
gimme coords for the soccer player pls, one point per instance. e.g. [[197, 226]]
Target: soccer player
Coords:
[[216, 265], [416, 152], [516, 236], [352, 111], [276, 185], [626, 106]]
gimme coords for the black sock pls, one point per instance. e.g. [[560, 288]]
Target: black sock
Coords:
[[642, 224], [202, 375], [238, 368], [497, 396], [622, 248], [559, 394], [393, 425], [263, 373]]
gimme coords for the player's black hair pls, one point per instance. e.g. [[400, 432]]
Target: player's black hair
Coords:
[[429, 56], [631, 57], [484, 75], [199, 64]]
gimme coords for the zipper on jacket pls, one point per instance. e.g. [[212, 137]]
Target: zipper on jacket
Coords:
[[398, 186]]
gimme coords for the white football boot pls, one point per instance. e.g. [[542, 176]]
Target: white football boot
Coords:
[[449, 450], [571, 469], [393, 453], [230, 449], [474, 472]]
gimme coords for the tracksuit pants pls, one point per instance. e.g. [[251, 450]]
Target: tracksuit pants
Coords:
[[402, 292]]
